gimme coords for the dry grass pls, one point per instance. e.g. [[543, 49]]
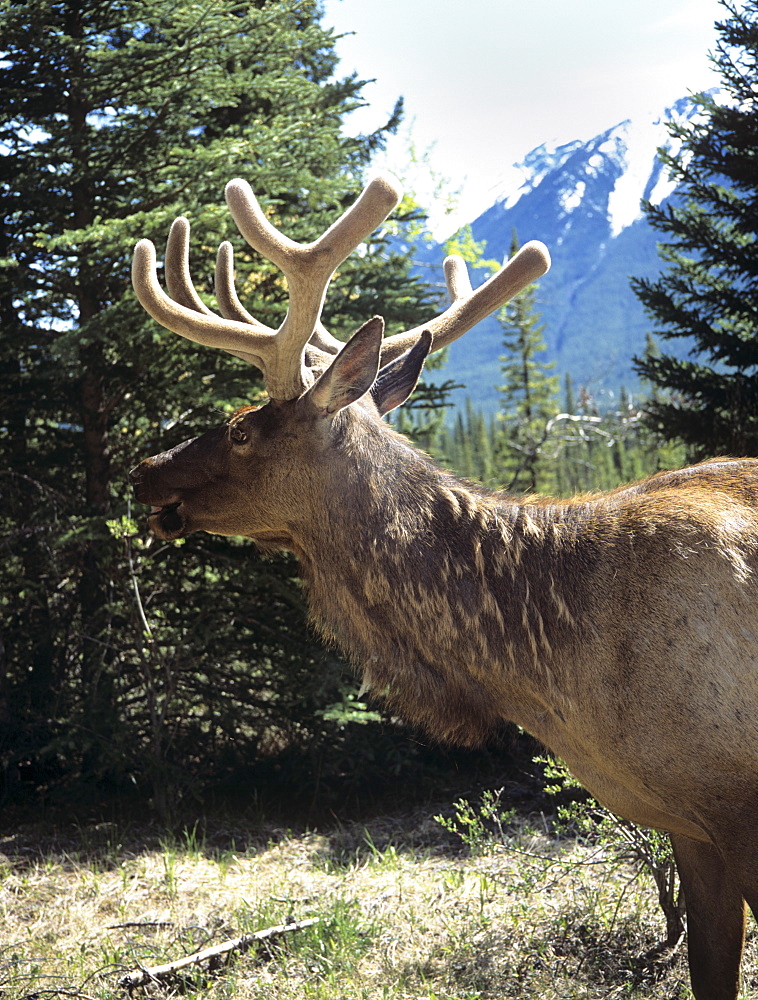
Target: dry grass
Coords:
[[403, 914]]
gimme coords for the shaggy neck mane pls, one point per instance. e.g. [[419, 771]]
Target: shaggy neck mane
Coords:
[[439, 594]]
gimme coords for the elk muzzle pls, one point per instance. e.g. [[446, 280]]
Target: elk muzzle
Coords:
[[173, 483]]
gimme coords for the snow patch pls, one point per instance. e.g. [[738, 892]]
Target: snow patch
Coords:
[[641, 141], [662, 188], [510, 200], [535, 167], [569, 200], [638, 143]]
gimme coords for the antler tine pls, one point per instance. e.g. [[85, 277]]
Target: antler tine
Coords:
[[226, 293], [308, 269], [251, 343], [176, 268], [374, 204], [469, 307], [456, 277]]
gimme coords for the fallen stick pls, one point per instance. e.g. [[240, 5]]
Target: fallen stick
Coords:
[[161, 925], [142, 976]]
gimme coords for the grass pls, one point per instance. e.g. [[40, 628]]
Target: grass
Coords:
[[404, 912]]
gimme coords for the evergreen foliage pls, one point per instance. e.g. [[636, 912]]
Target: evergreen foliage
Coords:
[[123, 659], [709, 290], [581, 449], [528, 393]]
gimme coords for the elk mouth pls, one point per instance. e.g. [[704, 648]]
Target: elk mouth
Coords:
[[166, 521]]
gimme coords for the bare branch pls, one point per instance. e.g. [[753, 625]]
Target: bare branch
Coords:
[[158, 973]]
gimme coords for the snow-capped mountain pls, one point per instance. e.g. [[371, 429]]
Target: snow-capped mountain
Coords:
[[617, 168], [583, 200]]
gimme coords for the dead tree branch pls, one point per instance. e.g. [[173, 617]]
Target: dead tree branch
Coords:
[[159, 973]]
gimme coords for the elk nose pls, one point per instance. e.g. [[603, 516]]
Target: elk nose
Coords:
[[134, 475]]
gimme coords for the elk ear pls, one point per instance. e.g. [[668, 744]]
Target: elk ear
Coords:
[[397, 380], [353, 371]]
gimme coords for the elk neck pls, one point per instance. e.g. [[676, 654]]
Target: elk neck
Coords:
[[453, 601]]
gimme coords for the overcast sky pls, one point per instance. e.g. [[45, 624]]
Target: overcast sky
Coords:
[[486, 81]]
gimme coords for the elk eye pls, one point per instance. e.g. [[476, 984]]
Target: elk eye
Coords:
[[237, 434]]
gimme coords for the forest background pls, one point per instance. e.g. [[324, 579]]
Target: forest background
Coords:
[[184, 674]]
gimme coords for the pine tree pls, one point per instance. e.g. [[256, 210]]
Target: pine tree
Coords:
[[709, 289], [117, 118], [570, 460], [528, 394]]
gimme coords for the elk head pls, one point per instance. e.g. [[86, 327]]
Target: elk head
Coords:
[[250, 475]]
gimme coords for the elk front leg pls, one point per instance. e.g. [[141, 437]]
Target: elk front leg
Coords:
[[715, 920]]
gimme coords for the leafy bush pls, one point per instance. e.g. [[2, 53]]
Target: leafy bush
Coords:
[[489, 828]]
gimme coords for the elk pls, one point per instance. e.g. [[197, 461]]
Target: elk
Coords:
[[620, 629]]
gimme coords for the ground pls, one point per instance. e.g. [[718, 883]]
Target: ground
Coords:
[[405, 910]]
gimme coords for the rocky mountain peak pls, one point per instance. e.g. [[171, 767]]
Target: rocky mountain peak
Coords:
[[583, 199]]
